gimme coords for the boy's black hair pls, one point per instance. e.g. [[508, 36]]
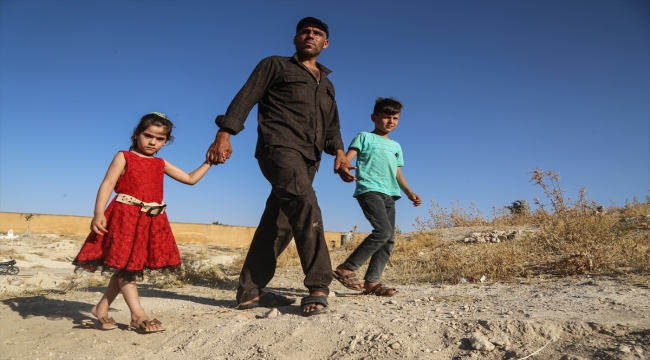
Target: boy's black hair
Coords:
[[148, 120], [389, 106]]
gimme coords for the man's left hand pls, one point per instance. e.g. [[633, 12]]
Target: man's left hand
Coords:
[[342, 167]]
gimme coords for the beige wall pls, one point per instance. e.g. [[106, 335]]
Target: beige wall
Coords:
[[239, 236]]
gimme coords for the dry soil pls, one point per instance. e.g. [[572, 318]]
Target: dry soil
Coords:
[[585, 317]]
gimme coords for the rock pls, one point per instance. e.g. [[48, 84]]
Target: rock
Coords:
[[623, 349], [395, 345], [273, 313], [480, 343], [501, 340]]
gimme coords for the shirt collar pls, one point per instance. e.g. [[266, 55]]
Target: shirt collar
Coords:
[[320, 67]]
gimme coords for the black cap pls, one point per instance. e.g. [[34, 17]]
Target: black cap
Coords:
[[313, 20]]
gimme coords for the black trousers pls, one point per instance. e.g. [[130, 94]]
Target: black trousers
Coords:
[[292, 211]]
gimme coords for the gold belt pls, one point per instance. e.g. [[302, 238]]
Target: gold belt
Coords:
[[151, 208]]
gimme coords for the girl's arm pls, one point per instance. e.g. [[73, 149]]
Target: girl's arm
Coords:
[[181, 176], [344, 173], [407, 190], [115, 170]]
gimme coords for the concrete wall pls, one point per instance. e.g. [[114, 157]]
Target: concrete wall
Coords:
[[225, 235]]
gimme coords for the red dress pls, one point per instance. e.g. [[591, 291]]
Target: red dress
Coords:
[[135, 241]]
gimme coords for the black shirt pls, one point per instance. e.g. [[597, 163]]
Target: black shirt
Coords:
[[293, 109]]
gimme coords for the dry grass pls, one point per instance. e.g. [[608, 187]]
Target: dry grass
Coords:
[[194, 272], [85, 281], [6, 254], [574, 237]]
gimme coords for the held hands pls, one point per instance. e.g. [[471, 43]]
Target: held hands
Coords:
[[342, 167], [98, 225], [220, 150], [415, 198]]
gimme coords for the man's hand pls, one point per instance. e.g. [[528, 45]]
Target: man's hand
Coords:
[[415, 198], [342, 167], [220, 150]]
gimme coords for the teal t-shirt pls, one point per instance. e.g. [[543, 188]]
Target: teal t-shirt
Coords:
[[377, 163]]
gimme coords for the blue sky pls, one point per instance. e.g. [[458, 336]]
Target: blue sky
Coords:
[[491, 91]]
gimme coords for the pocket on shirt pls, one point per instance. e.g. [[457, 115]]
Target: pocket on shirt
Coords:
[[293, 87], [294, 79], [326, 99]]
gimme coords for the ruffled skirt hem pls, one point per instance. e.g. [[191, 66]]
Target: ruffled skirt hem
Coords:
[[127, 275]]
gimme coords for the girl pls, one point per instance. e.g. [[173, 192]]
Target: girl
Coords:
[[133, 233]]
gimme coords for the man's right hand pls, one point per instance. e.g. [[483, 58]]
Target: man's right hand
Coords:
[[220, 150]]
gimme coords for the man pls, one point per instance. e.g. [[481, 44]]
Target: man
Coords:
[[297, 120]]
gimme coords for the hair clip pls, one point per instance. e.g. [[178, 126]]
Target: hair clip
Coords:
[[160, 114]]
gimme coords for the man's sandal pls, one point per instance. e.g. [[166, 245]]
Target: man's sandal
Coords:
[[268, 300], [350, 280], [310, 300], [102, 321], [145, 325], [381, 290]]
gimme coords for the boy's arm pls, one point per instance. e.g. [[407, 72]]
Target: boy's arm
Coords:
[[181, 176], [344, 172], [407, 190], [115, 170]]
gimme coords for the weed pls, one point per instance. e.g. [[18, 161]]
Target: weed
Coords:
[[574, 237], [193, 272], [11, 253], [440, 218]]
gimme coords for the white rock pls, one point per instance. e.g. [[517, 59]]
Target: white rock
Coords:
[[624, 349], [501, 340], [480, 343]]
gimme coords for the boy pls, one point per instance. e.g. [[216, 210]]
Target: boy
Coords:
[[379, 180]]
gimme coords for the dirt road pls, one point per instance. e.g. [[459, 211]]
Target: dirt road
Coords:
[[573, 318]]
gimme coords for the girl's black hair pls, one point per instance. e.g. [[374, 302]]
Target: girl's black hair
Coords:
[[148, 120]]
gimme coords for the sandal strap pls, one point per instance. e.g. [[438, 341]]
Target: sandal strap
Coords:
[[106, 320], [381, 289], [149, 323], [351, 278]]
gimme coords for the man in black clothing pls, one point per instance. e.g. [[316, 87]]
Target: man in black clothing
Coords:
[[297, 120]]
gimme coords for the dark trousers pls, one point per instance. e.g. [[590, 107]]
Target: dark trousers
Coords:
[[379, 209], [291, 211]]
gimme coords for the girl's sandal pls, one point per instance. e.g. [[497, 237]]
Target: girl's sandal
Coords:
[[102, 322], [145, 325]]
